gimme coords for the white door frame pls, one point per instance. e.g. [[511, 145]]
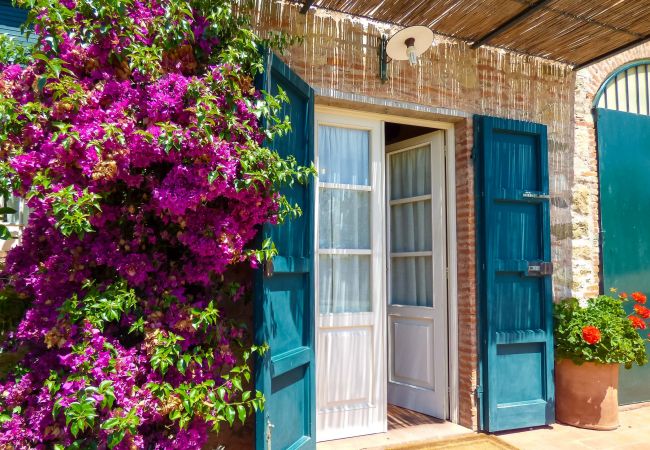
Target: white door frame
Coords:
[[452, 252]]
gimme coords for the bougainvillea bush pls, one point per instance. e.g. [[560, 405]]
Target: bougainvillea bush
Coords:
[[138, 138], [601, 331]]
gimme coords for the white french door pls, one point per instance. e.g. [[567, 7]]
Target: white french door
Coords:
[[350, 344], [417, 285]]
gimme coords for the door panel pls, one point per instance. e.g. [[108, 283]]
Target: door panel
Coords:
[[284, 314], [514, 283], [624, 164], [405, 332], [417, 303], [350, 345]]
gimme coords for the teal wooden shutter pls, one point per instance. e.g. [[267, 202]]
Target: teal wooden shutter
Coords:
[[284, 294], [624, 165], [514, 274], [11, 19]]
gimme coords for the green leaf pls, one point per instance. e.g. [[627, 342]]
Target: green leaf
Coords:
[[241, 413], [229, 413], [5, 234], [187, 405], [115, 438], [221, 392]]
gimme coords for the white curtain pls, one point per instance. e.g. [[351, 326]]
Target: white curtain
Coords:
[[410, 173], [343, 156], [411, 281], [344, 283], [344, 220], [410, 228]]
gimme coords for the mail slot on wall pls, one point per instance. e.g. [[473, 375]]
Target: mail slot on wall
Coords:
[[539, 268]]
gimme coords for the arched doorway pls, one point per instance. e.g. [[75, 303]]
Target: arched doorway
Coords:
[[622, 114]]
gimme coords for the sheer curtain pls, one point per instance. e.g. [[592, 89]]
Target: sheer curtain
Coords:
[[410, 173], [343, 156], [344, 242], [410, 228], [344, 219]]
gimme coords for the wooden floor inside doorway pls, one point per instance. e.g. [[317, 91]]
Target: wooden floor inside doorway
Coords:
[[402, 418]]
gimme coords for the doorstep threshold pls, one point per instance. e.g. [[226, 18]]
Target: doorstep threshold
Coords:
[[398, 436]]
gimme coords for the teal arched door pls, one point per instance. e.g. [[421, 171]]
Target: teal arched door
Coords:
[[623, 127]]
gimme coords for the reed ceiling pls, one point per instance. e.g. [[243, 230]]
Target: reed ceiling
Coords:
[[576, 32]]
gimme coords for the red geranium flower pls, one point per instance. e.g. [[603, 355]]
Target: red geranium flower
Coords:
[[637, 323], [623, 295], [591, 334], [642, 311], [639, 297]]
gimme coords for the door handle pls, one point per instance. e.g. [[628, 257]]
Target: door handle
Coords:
[[539, 269], [535, 195]]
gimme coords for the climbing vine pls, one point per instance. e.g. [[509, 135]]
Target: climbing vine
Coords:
[[136, 134]]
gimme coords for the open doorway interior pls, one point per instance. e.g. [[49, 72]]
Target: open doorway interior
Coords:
[[416, 300]]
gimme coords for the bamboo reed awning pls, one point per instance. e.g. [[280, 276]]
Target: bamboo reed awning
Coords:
[[576, 32]]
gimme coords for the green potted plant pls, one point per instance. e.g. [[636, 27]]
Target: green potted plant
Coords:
[[592, 339]]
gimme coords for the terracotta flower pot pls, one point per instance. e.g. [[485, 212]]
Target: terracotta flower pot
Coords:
[[586, 395]]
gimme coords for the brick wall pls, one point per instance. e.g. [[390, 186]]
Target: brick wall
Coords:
[[585, 215], [466, 248], [338, 57]]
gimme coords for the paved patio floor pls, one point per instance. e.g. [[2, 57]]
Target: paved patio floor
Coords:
[[633, 434]]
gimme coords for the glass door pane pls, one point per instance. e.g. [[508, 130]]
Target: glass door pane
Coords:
[[344, 219], [411, 274], [344, 237], [343, 156]]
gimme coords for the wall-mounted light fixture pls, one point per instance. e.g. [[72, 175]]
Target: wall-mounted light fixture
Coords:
[[406, 44]]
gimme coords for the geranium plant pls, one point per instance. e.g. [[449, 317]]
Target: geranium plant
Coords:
[[136, 134], [601, 331]]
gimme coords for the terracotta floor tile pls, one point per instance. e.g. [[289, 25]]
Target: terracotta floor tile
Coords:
[[609, 442], [639, 446], [631, 435]]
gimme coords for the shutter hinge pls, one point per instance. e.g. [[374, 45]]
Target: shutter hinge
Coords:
[[269, 433], [478, 392]]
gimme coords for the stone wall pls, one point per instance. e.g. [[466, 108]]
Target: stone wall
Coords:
[[339, 58]]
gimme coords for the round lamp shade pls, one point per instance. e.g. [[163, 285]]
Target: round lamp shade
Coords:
[[422, 40]]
